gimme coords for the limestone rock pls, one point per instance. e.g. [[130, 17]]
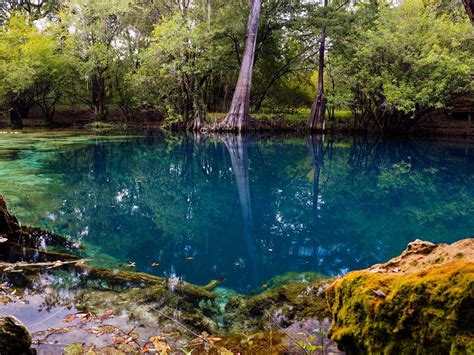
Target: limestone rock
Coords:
[[421, 300]]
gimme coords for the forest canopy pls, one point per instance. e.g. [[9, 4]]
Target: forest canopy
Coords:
[[387, 63]]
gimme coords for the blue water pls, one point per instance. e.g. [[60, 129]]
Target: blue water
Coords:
[[245, 209]]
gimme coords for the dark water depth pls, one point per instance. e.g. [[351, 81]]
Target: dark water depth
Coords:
[[243, 208]]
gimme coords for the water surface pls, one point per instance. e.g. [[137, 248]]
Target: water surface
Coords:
[[245, 209]]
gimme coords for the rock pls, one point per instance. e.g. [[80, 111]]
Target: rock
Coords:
[[422, 300], [14, 337]]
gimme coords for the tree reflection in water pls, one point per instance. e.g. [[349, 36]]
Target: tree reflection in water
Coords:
[[249, 208]]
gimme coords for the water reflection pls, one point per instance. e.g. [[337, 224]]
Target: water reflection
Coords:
[[247, 208]]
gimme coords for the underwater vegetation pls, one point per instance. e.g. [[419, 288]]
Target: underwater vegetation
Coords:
[[420, 301]]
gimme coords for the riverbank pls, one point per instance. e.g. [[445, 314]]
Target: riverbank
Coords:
[[419, 300], [439, 125]]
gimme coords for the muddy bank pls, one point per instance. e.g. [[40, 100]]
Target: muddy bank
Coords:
[[421, 300]]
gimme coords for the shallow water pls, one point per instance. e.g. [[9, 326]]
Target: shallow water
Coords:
[[243, 209]]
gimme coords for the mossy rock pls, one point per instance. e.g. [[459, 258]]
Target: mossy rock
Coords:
[[429, 311], [14, 337]]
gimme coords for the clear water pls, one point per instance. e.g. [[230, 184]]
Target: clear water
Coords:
[[246, 209]]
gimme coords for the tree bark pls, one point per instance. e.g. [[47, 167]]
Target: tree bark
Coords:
[[16, 120], [238, 117], [199, 109], [316, 117], [16, 116], [98, 96], [469, 6]]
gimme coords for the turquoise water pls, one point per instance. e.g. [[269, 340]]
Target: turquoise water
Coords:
[[245, 209]]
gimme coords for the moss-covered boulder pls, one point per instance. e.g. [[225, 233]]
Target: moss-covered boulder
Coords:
[[419, 302], [14, 337]]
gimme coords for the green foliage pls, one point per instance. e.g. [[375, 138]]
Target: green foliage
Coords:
[[407, 61], [387, 63]]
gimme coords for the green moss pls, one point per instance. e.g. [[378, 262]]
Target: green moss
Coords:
[[282, 305], [100, 126], [430, 309]]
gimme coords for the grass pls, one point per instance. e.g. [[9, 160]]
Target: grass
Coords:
[[298, 116]]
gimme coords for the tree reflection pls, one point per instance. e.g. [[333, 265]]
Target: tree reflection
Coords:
[[251, 208], [237, 146]]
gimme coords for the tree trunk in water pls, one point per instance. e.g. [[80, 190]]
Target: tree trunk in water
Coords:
[[469, 6], [238, 117], [237, 148], [316, 117], [98, 96]]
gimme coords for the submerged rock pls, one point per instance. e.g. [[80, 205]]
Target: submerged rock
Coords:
[[14, 337], [422, 300]]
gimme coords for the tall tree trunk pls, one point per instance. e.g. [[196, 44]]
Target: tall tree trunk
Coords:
[[98, 96], [469, 6], [16, 117], [199, 108], [238, 117], [16, 121], [316, 117]]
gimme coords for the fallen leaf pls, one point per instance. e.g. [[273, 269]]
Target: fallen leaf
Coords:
[[104, 329], [85, 317], [160, 344], [56, 264], [130, 265], [108, 314], [380, 293], [70, 318], [81, 262], [146, 348]]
